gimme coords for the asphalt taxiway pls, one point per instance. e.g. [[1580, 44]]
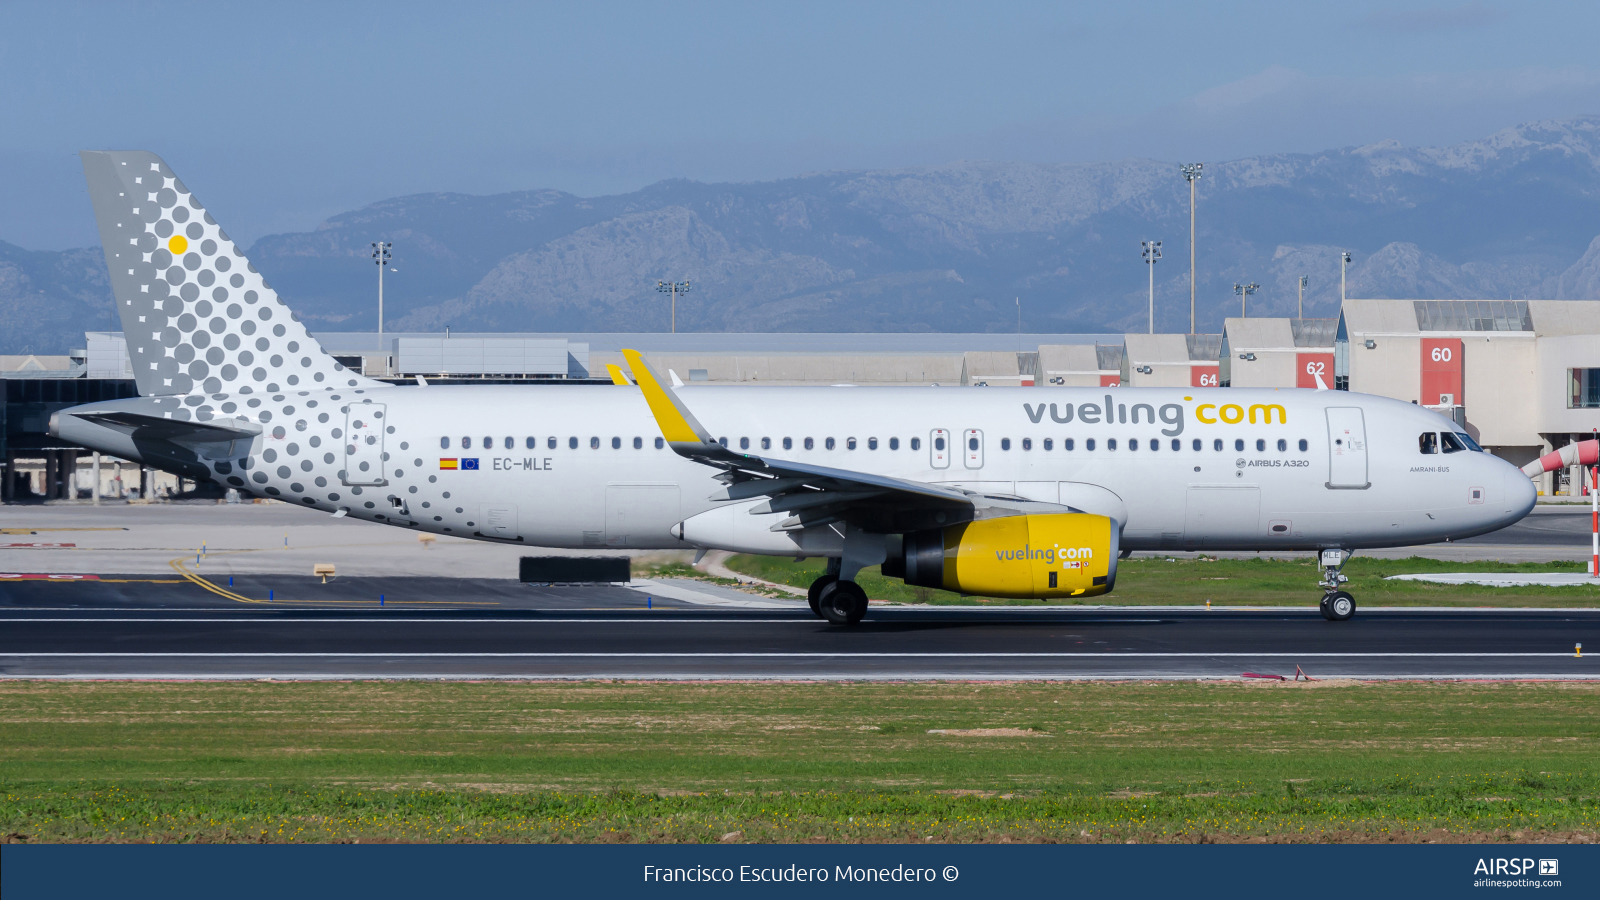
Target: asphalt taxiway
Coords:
[[492, 628]]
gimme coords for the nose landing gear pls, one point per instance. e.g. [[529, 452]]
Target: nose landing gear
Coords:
[[1337, 605]]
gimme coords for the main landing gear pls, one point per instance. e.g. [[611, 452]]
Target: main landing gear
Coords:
[[1337, 605], [840, 602]]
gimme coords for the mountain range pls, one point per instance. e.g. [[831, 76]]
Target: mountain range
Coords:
[[943, 248]]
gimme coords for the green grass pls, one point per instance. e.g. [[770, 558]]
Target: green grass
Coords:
[[797, 762], [1237, 582]]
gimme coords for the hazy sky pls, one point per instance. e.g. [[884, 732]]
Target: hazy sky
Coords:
[[281, 114]]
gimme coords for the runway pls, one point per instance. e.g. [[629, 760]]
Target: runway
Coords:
[[453, 628]]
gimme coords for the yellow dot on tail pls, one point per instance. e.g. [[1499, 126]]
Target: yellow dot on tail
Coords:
[[178, 244]]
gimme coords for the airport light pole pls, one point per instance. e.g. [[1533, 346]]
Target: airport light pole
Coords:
[[1191, 174], [1244, 291], [380, 256], [674, 288], [1152, 252], [1344, 261], [1302, 296]]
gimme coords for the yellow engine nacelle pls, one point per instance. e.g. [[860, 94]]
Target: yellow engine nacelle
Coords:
[[1034, 557]]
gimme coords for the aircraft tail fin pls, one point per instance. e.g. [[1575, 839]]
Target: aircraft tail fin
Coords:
[[196, 315]]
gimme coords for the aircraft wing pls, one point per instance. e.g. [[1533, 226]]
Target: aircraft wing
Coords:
[[814, 495]]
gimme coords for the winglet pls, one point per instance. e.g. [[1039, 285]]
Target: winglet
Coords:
[[617, 377], [678, 425]]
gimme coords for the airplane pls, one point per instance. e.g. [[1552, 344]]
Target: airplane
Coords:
[[1017, 494]]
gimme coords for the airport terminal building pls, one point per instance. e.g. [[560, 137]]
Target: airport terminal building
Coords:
[[1523, 376]]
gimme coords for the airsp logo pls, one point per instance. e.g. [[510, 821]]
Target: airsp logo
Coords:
[[1503, 866]]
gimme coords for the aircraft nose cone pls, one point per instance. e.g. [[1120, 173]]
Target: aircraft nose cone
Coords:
[[1520, 493]]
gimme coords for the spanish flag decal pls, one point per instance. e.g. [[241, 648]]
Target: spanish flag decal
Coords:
[[447, 464]]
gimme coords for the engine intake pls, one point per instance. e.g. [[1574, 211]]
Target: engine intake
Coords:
[[1030, 557]]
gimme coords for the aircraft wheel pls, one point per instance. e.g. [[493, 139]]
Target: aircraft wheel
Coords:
[[814, 593], [1338, 607], [842, 602]]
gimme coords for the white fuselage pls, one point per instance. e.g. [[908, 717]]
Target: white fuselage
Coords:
[[594, 476]]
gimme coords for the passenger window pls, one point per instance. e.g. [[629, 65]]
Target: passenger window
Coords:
[[1066, 444], [1217, 445], [1198, 444], [1178, 445], [660, 443], [532, 443], [938, 443], [744, 443], [1133, 443], [1238, 444], [916, 443], [511, 443], [1155, 443], [1261, 444], [894, 443], [466, 443], [1047, 443], [616, 443], [828, 443], [594, 443], [1005, 443], [810, 444], [1283, 445], [1111, 443], [972, 443], [551, 443], [1450, 443], [638, 443], [722, 442], [1304, 446], [488, 443], [1428, 442], [788, 443], [444, 443], [1088, 443], [572, 443], [872, 443], [1027, 443], [849, 443], [766, 443]]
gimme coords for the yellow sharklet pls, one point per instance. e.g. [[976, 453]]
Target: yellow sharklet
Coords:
[[678, 425], [616, 375]]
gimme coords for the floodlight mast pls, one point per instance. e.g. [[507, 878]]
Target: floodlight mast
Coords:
[[380, 255], [1191, 174], [1344, 261], [1152, 252], [674, 288], [1302, 296], [1244, 291]]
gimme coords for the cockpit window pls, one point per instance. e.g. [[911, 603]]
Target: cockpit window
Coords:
[[1471, 444], [1428, 442], [1451, 443]]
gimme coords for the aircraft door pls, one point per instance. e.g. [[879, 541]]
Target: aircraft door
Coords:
[[364, 427], [972, 448], [939, 448], [641, 515], [1220, 515], [1347, 449]]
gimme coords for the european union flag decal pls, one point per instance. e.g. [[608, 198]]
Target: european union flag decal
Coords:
[[469, 464]]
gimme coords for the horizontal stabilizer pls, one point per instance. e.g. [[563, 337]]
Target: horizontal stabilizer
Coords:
[[158, 428]]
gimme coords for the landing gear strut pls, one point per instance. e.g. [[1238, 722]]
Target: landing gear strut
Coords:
[[1337, 605]]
